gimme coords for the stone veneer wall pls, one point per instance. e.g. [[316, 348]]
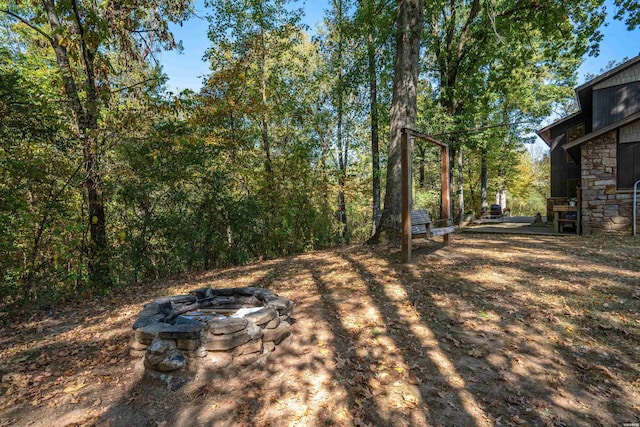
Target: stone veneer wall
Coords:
[[604, 208]]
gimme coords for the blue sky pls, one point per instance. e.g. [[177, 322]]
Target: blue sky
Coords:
[[185, 70]]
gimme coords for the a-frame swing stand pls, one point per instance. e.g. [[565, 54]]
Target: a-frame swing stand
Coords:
[[406, 148]]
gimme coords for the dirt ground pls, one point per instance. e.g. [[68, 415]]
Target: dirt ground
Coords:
[[491, 330]]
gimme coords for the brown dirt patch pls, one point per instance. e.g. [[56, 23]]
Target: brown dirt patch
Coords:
[[491, 330]]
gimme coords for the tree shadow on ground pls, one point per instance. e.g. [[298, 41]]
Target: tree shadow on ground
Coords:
[[500, 330]]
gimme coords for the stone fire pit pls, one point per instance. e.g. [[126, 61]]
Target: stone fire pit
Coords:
[[210, 328]]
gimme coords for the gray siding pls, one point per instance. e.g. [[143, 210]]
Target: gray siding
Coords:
[[631, 74], [563, 172], [614, 103], [628, 155]]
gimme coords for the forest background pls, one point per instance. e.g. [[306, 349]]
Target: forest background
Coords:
[[108, 178]]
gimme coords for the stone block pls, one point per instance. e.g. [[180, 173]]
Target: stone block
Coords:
[[185, 332], [172, 362], [228, 325], [246, 359], [197, 353], [134, 344], [278, 334], [589, 194], [152, 360], [161, 305], [148, 333], [182, 299], [202, 293], [160, 346], [219, 359], [146, 319], [620, 227], [253, 346], [621, 220], [262, 316], [268, 347], [610, 189], [226, 342], [254, 331], [182, 320], [273, 323], [188, 344]]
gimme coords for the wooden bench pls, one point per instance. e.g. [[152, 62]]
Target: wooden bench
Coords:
[[421, 225]]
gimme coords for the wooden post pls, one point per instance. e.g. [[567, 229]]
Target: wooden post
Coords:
[[405, 165], [446, 199]]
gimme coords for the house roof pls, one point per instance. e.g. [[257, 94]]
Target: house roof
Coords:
[[602, 131], [583, 92], [545, 133], [611, 72]]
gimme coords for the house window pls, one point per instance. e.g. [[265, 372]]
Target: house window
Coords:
[[575, 132], [628, 156]]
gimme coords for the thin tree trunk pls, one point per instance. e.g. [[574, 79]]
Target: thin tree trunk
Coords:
[[484, 178], [86, 117], [422, 153], [403, 111], [264, 124], [375, 149], [460, 186], [342, 145]]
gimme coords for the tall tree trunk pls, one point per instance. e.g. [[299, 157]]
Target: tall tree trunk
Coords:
[[342, 145], [342, 168], [403, 111], [484, 178], [375, 146], [264, 124], [422, 153], [86, 117], [460, 190]]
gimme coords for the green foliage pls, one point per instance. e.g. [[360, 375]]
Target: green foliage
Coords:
[[40, 245], [252, 166], [629, 11]]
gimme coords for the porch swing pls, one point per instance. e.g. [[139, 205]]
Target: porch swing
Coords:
[[418, 223]]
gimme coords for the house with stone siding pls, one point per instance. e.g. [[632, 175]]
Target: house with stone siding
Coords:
[[595, 152]]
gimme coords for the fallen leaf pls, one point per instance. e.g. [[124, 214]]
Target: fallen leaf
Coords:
[[477, 353], [75, 387]]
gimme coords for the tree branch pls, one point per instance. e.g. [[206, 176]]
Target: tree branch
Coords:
[[120, 89], [27, 23]]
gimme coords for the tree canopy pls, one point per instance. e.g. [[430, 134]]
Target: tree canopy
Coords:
[[291, 144]]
